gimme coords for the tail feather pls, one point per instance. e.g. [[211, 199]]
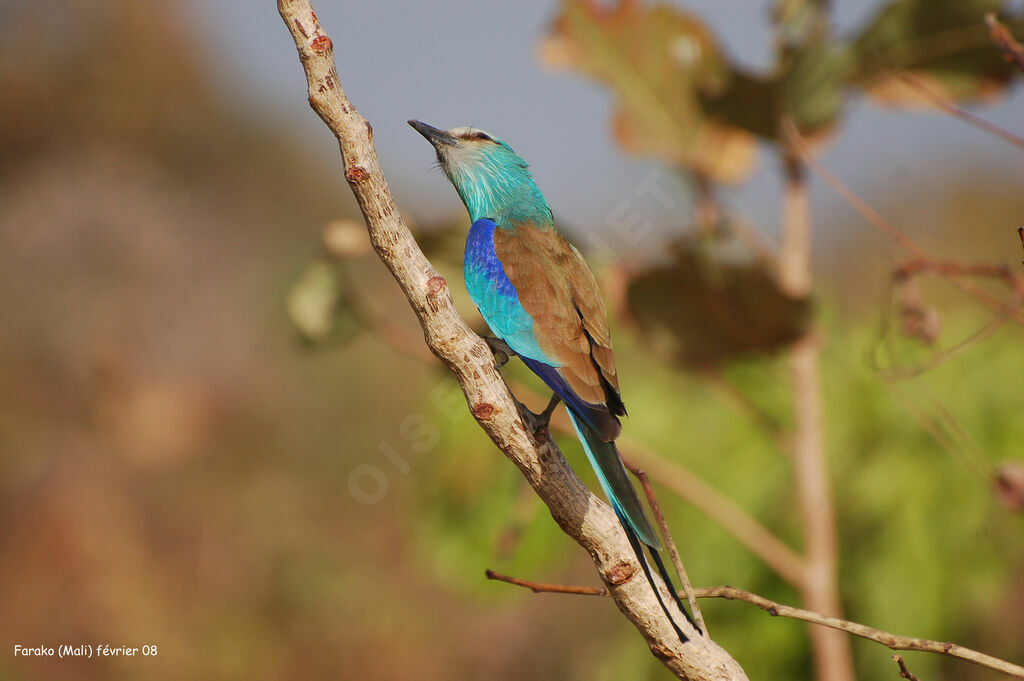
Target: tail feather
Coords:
[[615, 482], [672, 589], [607, 463]]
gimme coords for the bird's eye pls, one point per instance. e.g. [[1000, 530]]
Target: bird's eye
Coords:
[[477, 135]]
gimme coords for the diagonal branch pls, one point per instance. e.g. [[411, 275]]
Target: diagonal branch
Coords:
[[732, 593], [579, 513], [953, 110], [670, 544]]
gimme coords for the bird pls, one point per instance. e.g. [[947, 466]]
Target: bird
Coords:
[[540, 298]]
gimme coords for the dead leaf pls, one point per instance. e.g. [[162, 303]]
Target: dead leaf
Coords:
[[710, 311], [661, 61]]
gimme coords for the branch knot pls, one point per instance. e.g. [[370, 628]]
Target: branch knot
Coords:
[[620, 574], [321, 44], [356, 175]]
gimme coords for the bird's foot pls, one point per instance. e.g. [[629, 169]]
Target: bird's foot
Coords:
[[544, 418], [502, 351], [539, 423]]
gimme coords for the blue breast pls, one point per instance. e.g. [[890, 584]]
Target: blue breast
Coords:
[[495, 296]]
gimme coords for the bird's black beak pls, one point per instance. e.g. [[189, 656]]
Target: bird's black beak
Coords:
[[435, 136]]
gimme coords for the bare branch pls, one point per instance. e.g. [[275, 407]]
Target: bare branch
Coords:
[[964, 115], [799, 144], [891, 641], [732, 593], [904, 672], [670, 543], [541, 587], [947, 268], [589, 521], [819, 588], [936, 359], [1012, 50]]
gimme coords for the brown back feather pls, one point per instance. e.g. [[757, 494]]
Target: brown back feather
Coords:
[[557, 289]]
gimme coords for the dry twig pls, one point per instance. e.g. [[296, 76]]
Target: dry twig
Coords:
[[952, 109], [799, 144], [732, 593], [670, 543], [904, 672]]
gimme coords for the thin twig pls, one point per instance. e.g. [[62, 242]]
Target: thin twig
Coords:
[[540, 587], [947, 268], [904, 672], [670, 543], [883, 225], [939, 357], [945, 429], [892, 641], [964, 115], [795, 247], [732, 593], [904, 274], [1012, 50]]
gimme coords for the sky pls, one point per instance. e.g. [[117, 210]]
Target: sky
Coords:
[[474, 62]]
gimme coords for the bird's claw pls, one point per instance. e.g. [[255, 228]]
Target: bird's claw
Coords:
[[501, 350], [539, 423], [544, 418]]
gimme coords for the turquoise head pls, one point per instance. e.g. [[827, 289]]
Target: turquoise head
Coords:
[[491, 179]]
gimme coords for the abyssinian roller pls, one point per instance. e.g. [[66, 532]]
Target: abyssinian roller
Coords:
[[537, 294]]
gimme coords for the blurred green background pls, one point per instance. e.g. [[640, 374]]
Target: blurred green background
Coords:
[[218, 437]]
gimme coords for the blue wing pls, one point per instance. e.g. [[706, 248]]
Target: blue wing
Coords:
[[496, 297], [498, 301]]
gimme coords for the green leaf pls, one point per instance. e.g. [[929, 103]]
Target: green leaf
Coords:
[[319, 308], [809, 88], [812, 88], [943, 44]]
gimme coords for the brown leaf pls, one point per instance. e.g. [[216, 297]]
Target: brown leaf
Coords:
[[705, 311], [660, 61]]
